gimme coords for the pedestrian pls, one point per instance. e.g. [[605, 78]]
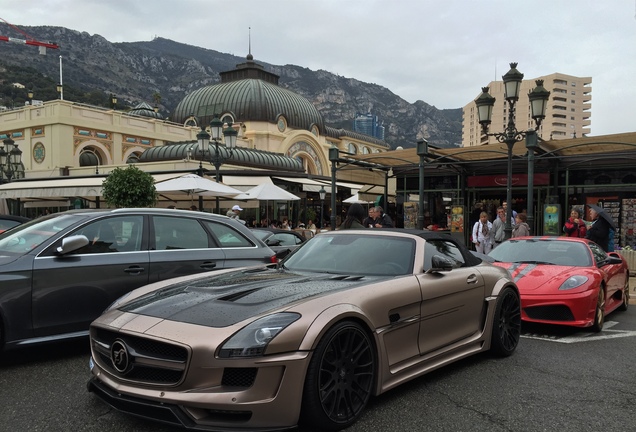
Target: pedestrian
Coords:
[[482, 234], [381, 219], [513, 218], [194, 208], [521, 228], [475, 213], [599, 232], [311, 225], [234, 212], [370, 219], [575, 225], [354, 218], [285, 224], [498, 227]]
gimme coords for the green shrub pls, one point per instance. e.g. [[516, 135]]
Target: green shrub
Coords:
[[130, 187]]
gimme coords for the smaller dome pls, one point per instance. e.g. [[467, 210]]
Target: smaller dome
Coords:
[[145, 110]]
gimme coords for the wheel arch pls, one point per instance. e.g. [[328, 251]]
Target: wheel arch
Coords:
[[330, 317]]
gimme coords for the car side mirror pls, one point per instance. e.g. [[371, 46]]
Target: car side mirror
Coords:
[[439, 264], [71, 244], [272, 242], [612, 259]]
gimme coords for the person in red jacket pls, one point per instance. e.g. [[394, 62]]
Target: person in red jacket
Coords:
[[575, 226]]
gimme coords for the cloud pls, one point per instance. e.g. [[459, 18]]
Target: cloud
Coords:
[[438, 52]]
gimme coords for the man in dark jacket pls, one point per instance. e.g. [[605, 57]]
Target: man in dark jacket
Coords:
[[381, 219], [599, 231]]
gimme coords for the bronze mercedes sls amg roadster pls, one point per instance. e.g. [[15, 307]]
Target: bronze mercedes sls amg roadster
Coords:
[[349, 315]]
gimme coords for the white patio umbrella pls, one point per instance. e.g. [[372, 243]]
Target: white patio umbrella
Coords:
[[356, 199], [196, 185], [267, 192]]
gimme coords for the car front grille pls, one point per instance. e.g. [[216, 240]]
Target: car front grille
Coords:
[[137, 359], [550, 313]]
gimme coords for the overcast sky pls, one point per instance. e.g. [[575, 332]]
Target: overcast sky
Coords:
[[438, 51]]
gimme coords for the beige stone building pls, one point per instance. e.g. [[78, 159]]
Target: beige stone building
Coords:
[[280, 135], [568, 114]]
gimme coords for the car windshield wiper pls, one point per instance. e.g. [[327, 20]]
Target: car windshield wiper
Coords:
[[534, 262]]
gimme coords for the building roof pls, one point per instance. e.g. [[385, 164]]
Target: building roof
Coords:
[[340, 133], [144, 110], [249, 100], [240, 156], [599, 146]]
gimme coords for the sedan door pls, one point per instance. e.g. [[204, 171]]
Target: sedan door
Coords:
[[452, 301], [72, 290], [182, 246]]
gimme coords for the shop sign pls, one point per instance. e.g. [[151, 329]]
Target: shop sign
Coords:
[[540, 179]]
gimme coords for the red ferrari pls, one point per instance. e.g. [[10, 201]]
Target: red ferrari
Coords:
[[563, 280]]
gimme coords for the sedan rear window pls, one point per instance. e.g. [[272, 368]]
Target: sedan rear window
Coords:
[[227, 236]]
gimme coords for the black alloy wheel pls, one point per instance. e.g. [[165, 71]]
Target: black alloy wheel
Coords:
[[340, 378], [506, 326]]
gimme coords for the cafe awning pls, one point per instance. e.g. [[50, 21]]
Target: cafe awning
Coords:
[[62, 187]]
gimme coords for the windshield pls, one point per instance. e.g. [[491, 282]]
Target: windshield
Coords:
[[543, 251], [30, 235], [261, 234], [354, 254]]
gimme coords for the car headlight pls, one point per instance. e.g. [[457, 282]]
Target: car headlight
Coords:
[[573, 282], [252, 339]]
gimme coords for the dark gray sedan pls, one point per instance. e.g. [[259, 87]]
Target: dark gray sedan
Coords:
[[281, 241], [58, 273]]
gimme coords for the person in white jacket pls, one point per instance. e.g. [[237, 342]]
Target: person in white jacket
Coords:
[[483, 234]]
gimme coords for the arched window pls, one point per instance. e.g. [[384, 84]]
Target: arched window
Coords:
[[89, 156], [133, 158], [351, 148]]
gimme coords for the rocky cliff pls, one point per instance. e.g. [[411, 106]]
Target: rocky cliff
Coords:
[[163, 71]]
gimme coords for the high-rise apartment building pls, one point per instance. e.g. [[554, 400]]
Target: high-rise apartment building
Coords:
[[567, 115], [368, 124]]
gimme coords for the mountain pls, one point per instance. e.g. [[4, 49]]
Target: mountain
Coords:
[[163, 71]]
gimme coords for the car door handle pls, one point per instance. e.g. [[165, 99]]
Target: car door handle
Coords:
[[134, 270], [472, 279], [208, 265]]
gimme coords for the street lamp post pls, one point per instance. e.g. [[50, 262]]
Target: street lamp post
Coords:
[[113, 101], [229, 134], [422, 152], [334, 158], [30, 94], [322, 193], [10, 160], [203, 139], [531, 144], [485, 102]]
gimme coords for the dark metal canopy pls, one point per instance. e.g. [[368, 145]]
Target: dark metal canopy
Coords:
[[240, 156]]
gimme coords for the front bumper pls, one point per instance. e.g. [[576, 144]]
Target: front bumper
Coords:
[[572, 309], [271, 403]]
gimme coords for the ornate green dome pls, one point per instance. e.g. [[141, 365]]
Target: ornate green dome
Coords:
[[248, 93]]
